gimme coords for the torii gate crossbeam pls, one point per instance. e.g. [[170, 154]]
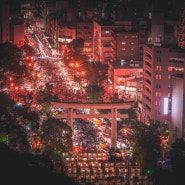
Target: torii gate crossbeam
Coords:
[[69, 115]]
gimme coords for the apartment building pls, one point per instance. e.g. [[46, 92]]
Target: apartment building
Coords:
[[103, 39], [12, 24], [181, 35], [84, 30], [125, 45], [159, 64]]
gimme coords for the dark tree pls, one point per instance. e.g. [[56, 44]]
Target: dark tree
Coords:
[[56, 137], [19, 168], [147, 145], [177, 155], [16, 135], [10, 57]]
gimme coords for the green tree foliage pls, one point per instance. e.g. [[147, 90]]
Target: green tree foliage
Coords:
[[10, 128], [131, 114], [10, 66], [147, 144], [28, 50], [75, 54], [77, 46], [10, 57], [16, 135], [95, 93], [56, 137], [45, 97], [27, 114]]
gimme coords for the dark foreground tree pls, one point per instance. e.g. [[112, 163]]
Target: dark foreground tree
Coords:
[[147, 145], [24, 168], [11, 56], [177, 155], [56, 137]]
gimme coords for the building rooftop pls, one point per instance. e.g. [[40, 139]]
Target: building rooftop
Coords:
[[127, 64]]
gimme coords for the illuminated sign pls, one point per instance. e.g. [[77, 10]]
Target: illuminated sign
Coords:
[[165, 105]]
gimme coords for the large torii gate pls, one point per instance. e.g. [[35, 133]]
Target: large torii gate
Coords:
[[70, 114]]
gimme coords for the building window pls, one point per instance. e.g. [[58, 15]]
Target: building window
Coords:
[[169, 68], [158, 86], [158, 59], [123, 43], [158, 77], [157, 112]]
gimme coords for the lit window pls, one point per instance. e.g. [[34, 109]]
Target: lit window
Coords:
[[165, 106], [170, 69]]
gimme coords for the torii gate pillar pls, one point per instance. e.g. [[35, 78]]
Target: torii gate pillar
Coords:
[[113, 128], [70, 117]]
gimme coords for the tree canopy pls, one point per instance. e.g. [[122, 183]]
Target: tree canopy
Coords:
[[147, 145], [56, 137], [10, 57]]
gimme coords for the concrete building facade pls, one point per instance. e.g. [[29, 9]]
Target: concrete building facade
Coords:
[[12, 22], [159, 63], [181, 35], [177, 122], [102, 41], [125, 45], [84, 30], [126, 78]]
